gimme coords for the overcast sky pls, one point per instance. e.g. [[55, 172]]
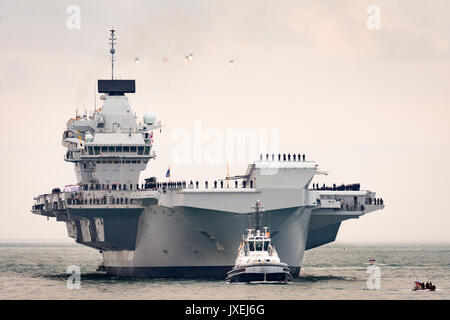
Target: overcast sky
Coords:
[[369, 105]]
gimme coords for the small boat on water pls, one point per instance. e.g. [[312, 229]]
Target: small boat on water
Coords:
[[419, 286], [257, 259]]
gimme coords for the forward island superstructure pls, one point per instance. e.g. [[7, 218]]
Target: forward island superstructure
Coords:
[[168, 229]]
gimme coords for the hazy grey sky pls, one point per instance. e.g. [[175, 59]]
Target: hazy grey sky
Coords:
[[370, 106]]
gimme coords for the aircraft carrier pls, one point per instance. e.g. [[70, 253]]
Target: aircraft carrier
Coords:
[[184, 229]]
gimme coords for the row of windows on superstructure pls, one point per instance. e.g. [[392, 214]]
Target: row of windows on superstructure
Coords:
[[118, 161], [96, 150]]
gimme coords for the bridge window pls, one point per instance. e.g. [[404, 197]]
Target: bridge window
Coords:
[[111, 149], [97, 150], [90, 151], [126, 149], [251, 245], [133, 149], [266, 245], [119, 149], [259, 245], [140, 150], [147, 150]]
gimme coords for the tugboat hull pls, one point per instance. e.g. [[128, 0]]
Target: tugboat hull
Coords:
[[260, 273]]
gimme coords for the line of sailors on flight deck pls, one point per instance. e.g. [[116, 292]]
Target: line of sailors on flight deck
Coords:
[[342, 187], [284, 157], [376, 201], [155, 185], [180, 185]]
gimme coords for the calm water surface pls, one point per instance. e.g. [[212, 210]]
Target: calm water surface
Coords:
[[336, 271]]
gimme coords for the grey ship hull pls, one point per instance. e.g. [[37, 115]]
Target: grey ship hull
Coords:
[[188, 242]]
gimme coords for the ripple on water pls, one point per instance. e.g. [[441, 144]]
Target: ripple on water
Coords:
[[38, 271]]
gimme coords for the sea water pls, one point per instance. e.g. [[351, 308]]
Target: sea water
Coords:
[[38, 270]]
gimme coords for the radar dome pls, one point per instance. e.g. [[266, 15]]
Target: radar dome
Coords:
[[149, 118], [89, 137]]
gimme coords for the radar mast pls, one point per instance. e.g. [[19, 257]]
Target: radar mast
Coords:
[[112, 51]]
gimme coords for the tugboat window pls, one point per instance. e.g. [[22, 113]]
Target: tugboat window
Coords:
[[251, 246], [266, 245], [259, 245]]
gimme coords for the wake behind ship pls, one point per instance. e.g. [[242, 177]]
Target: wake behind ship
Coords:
[[181, 229]]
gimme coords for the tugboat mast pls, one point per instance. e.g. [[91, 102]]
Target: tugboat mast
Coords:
[[258, 214]]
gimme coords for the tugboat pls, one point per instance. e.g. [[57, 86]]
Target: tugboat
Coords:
[[257, 259]]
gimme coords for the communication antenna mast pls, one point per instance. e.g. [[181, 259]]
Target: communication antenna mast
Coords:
[[95, 97], [228, 175], [112, 51], [258, 215]]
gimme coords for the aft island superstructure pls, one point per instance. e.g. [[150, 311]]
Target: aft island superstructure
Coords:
[[162, 229]]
